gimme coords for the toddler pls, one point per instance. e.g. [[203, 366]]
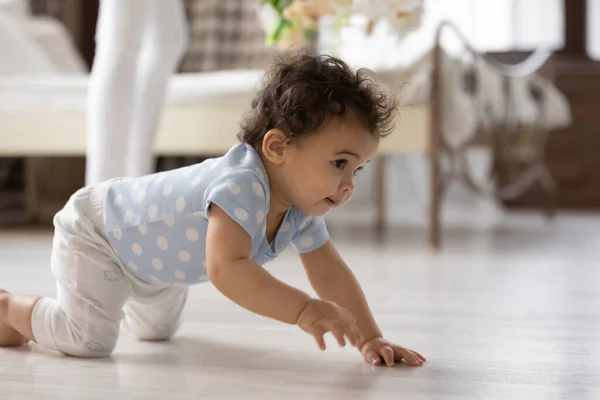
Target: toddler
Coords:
[[126, 250]]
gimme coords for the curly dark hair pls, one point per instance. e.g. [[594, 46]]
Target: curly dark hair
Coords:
[[300, 92]]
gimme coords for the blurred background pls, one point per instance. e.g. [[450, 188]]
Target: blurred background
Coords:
[[55, 39]]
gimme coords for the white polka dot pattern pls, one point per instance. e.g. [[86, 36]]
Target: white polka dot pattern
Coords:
[[260, 173], [157, 224], [137, 249], [161, 177], [157, 264], [196, 181], [167, 190], [240, 214], [234, 188], [306, 241], [117, 234], [260, 216], [128, 218], [162, 243], [180, 204], [192, 235], [310, 234], [179, 274], [185, 256], [199, 214], [257, 189]]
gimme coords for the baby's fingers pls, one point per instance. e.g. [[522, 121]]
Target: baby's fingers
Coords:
[[320, 342], [388, 355], [409, 356], [372, 357], [338, 332], [419, 356], [318, 335]]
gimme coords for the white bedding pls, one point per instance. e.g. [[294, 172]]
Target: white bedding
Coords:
[[219, 99], [44, 115], [68, 92], [464, 113]]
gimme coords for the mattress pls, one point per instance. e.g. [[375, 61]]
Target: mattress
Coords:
[[68, 91], [45, 115]]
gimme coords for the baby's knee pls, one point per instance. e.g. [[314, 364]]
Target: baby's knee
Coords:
[[152, 333], [90, 348], [86, 345], [55, 329]]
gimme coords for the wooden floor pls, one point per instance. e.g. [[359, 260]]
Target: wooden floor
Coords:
[[507, 313]]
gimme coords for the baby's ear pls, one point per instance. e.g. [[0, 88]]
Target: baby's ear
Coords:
[[273, 145]]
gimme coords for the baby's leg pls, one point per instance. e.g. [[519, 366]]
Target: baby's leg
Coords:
[[85, 317], [15, 312], [154, 314]]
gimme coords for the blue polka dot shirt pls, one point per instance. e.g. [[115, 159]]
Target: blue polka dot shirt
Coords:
[[157, 223]]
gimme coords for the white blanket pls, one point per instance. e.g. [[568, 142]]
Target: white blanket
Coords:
[[464, 112]]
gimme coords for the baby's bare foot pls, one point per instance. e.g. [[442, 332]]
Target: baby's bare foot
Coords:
[[8, 336]]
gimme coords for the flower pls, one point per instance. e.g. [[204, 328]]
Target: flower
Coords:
[[403, 15], [294, 19]]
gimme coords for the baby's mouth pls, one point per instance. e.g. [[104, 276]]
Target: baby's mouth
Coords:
[[331, 202]]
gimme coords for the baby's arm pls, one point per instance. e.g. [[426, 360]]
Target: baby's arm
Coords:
[[228, 252], [332, 280]]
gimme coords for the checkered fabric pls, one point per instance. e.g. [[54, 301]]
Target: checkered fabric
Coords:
[[225, 34]]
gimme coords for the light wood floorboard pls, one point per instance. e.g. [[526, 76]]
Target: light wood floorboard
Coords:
[[511, 312]]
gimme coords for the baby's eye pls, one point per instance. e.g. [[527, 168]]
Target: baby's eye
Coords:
[[358, 170], [340, 164]]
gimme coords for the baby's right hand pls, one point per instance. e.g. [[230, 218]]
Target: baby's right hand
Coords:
[[322, 316]]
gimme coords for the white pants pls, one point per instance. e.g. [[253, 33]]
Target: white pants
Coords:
[[94, 290], [138, 46]]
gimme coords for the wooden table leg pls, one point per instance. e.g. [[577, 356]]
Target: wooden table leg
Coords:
[[435, 147], [31, 193], [379, 193], [551, 190], [436, 196]]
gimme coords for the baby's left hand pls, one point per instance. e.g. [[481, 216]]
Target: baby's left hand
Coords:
[[377, 350]]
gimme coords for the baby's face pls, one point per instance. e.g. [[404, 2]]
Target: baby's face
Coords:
[[321, 169]]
